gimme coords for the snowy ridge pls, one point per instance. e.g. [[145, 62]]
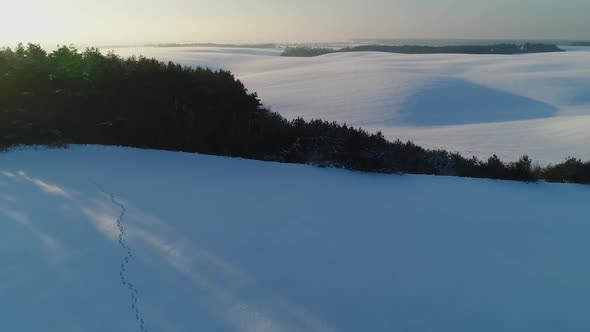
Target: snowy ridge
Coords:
[[228, 245]]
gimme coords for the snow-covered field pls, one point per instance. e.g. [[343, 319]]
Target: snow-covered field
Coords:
[[537, 104], [101, 239]]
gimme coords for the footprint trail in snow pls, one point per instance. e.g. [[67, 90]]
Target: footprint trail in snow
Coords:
[[134, 293]]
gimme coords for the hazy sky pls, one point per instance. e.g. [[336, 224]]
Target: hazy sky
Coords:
[[128, 21]]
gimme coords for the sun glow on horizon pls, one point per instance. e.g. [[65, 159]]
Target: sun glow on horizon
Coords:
[[111, 21]]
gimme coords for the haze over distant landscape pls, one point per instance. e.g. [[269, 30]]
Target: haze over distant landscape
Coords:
[[137, 21]]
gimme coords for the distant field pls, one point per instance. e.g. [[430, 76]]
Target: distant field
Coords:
[[474, 104]]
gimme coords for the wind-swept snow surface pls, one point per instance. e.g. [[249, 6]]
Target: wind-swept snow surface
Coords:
[[218, 244], [474, 104]]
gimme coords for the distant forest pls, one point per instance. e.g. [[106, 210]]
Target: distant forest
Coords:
[[581, 43], [505, 49], [71, 97]]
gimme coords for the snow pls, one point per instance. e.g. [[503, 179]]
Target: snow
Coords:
[[537, 104], [220, 244]]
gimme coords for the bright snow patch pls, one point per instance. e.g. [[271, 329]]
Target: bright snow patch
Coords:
[[475, 104], [218, 244]]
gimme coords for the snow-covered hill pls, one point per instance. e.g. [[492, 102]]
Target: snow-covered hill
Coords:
[[205, 243], [475, 104]]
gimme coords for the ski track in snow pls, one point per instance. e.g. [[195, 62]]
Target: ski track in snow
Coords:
[[134, 293]]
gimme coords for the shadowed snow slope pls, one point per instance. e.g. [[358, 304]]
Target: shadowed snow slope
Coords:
[[507, 100], [465, 103], [219, 244]]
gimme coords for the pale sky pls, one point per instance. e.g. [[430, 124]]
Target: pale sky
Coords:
[[138, 21]]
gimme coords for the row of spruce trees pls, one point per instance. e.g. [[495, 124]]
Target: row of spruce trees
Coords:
[[67, 97]]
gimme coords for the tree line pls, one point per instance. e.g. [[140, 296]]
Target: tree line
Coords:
[[72, 97], [503, 49]]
